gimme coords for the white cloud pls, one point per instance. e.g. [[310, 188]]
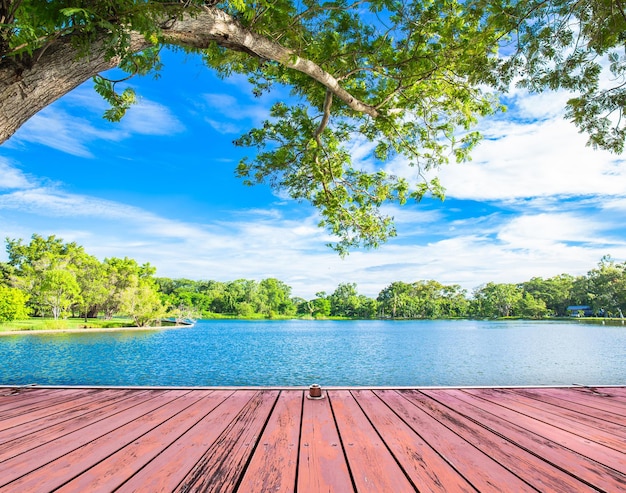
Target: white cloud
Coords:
[[528, 152], [540, 106], [224, 127], [543, 231], [536, 159], [263, 243], [58, 126], [150, 118], [12, 178], [59, 130], [230, 114]]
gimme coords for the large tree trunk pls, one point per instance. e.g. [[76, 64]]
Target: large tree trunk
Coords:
[[56, 69]]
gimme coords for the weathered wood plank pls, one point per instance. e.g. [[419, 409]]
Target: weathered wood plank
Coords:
[[534, 470], [322, 464], [222, 466], [618, 393], [474, 464], [544, 396], [584, 426], [428, 471], [27, 403], [19, 396], [23, 443], [591, 472], [584, 446], [58, 472], [22, 464], [167, 470], [372, 466], [603, 399], [250, 441], [274, 464], [57, 413]]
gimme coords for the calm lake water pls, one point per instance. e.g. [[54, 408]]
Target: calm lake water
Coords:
[[331, 353]]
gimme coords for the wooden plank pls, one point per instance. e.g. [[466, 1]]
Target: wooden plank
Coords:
[[274, 464], [584, 426], [385, 440], [23, 443], [428, 471], [169, 468], [605, 401], [618, 393], [222, 466], [322, 464], [28, 403], [591, 472], [474, 464], [534, 470], [545, 396], [584, 446], [15, 397], [372, 466], [136, 435], [22, 464], [56, 413]]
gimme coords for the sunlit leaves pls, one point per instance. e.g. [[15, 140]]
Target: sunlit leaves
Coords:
[[120, 102], [560, 45], [420, 70]]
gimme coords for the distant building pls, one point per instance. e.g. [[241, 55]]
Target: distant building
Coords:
[[580, 311]]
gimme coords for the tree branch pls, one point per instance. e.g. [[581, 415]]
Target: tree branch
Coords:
[[58, 68]]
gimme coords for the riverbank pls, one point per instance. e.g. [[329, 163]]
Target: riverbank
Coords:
[[69, 326]]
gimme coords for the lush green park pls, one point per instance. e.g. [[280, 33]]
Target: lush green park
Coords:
[[50, 284]]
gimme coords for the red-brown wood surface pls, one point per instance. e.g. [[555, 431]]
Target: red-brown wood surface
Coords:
[[483, 472], [602, 477], [426, 468], [545, 477], [54, 414], [322, 464], [168, 470], [273, 466], [135, 436], [220, 468], [544, 396], [229, 440], [373, 467]]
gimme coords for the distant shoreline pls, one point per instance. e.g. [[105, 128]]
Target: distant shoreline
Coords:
[[593, 320], [93, 329]]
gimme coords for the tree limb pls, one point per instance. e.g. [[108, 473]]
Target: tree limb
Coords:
[[25, 90]]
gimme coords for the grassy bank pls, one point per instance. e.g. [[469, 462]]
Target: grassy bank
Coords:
[[37, 323]]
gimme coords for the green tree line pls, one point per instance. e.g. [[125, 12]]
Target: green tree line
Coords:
[[48, 277]]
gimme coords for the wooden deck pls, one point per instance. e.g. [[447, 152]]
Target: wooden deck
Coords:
[[279, 440]]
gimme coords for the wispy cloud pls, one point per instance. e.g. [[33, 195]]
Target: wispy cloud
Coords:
[[267, 244], [62, 127], [531, 151], [12, 177], [228, 114], [150, 118]]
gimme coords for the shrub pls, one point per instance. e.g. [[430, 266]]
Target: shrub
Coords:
[[12, 304]]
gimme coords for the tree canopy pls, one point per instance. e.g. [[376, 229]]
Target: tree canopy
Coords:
[[410, 77], [50, 277]]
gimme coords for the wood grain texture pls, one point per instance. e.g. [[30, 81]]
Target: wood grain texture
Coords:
[[278, 440]]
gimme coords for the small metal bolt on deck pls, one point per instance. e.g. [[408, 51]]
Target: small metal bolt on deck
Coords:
[[315, 392]]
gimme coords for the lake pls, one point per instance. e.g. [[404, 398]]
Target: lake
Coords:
[[331, 353]]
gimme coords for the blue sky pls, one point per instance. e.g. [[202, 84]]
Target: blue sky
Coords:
[[160, 187]]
